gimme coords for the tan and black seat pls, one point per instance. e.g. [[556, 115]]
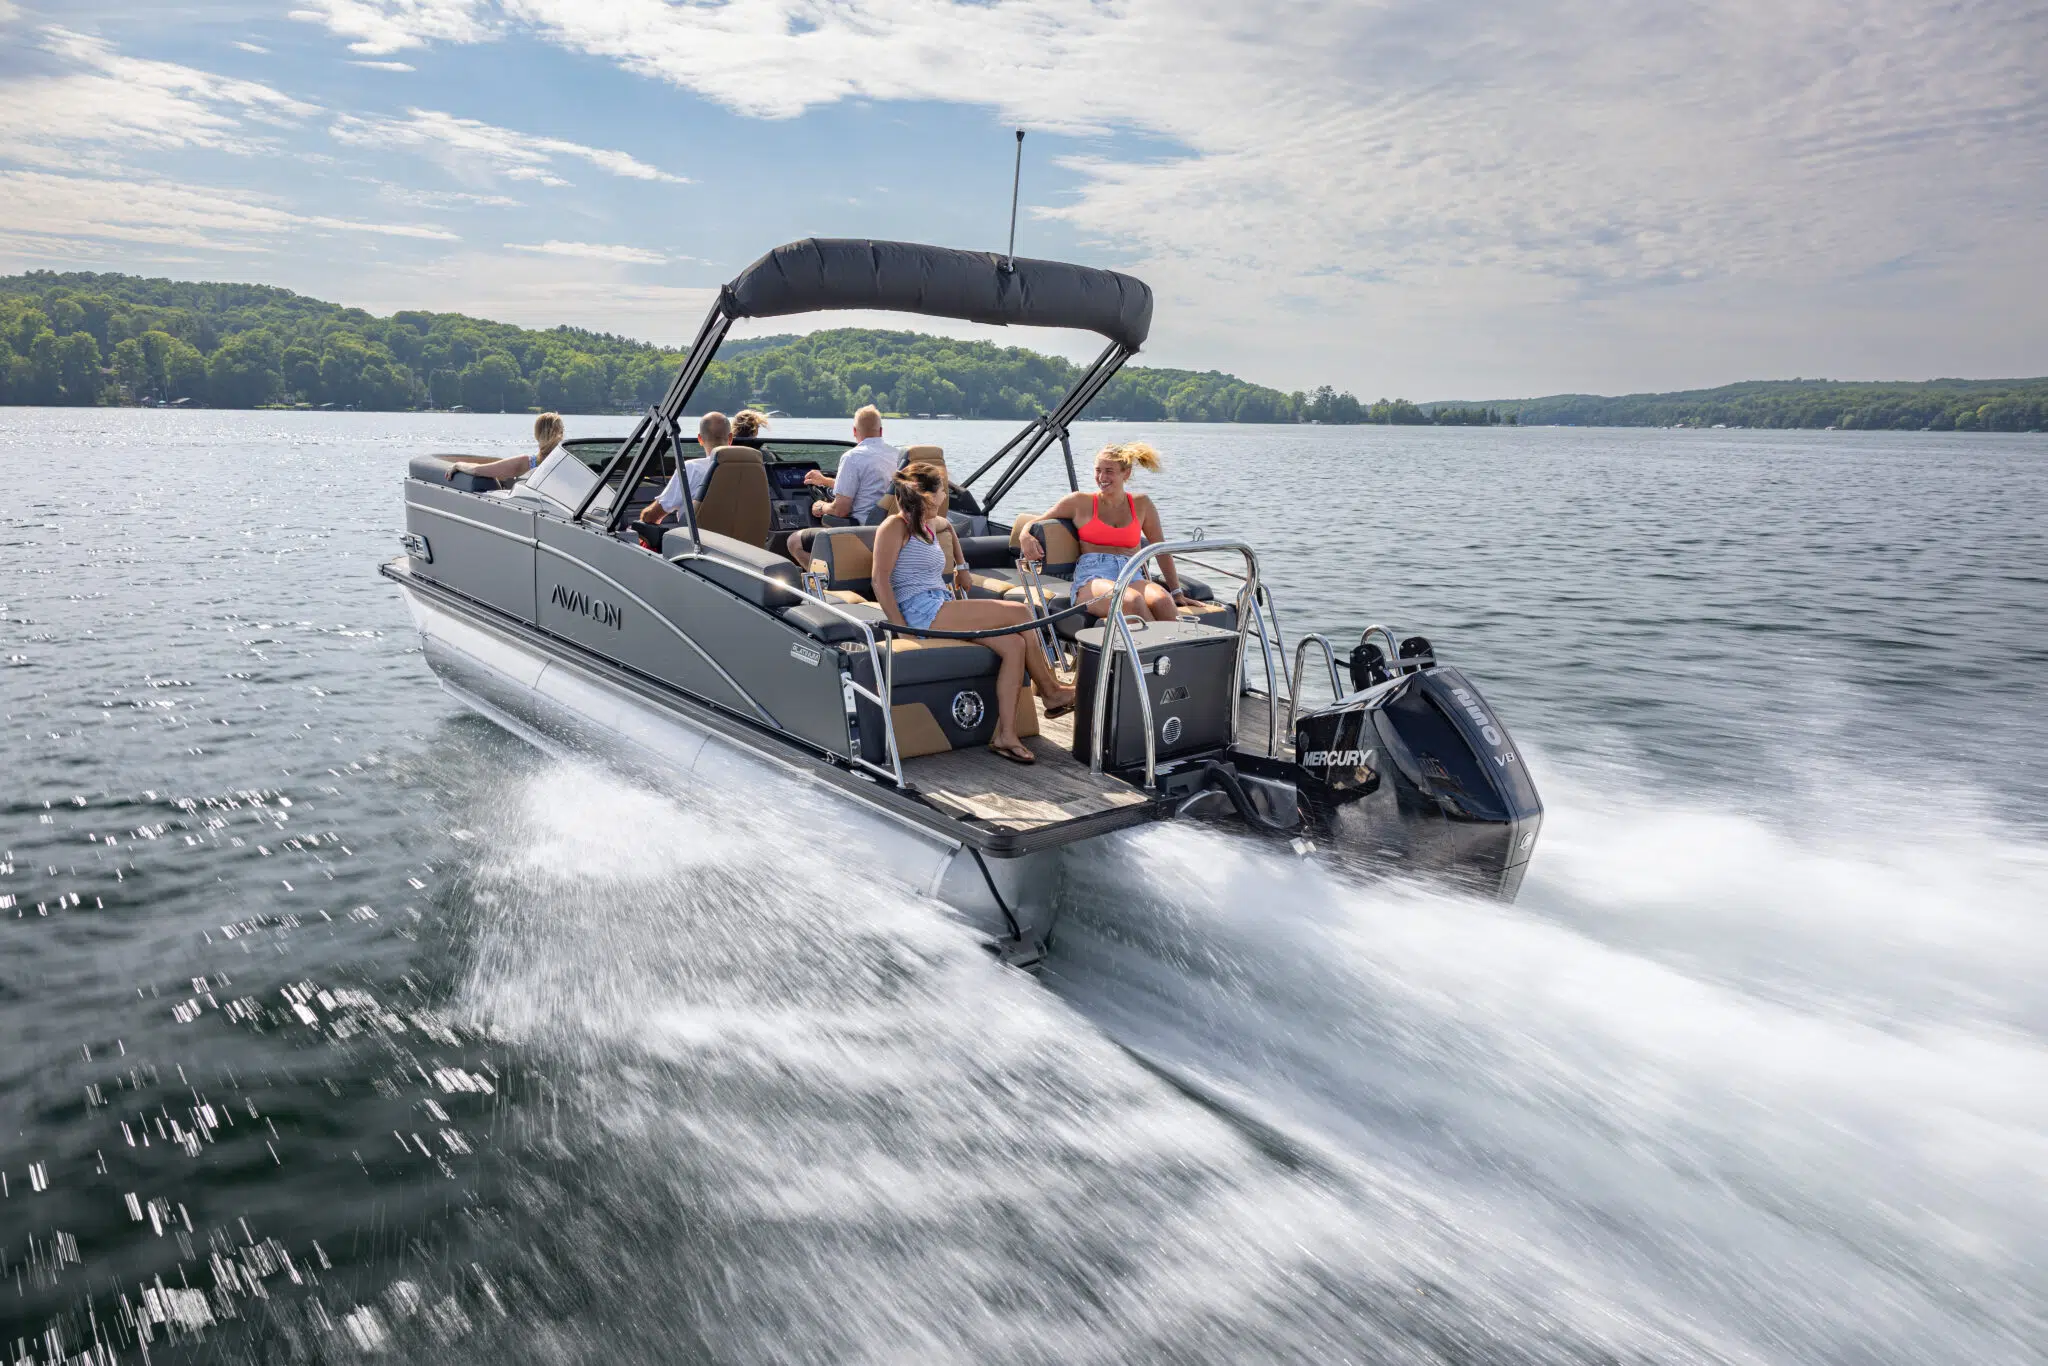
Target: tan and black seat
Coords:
[[843, 558], [944, 697], [736, 502]]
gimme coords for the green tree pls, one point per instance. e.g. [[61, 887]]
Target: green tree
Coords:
[[243, 373], [184, 372]]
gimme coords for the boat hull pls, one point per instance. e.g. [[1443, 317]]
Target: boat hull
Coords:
[[563, 706]]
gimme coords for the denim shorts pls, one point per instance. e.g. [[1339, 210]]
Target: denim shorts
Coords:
[[922, 609], [1099, 564]]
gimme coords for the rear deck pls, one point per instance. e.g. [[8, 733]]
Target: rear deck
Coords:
[[978, 785]]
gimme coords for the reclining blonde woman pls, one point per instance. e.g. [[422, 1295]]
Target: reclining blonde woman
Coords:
[[910, 586], [1112, 524], [547, 434]]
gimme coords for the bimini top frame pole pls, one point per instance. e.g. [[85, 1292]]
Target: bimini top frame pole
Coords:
[[1023, 450]]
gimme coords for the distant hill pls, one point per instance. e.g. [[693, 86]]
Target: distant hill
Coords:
[[82, 339], [85, 339], [1996, 405]]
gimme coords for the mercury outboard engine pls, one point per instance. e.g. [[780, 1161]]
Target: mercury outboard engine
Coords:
[[1414, 764]]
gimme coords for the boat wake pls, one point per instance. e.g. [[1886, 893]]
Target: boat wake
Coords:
[[1709, 1093], [1785, 1090]]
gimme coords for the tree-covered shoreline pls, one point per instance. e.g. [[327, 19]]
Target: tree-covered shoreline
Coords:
[[1938, 405], [85, 339]]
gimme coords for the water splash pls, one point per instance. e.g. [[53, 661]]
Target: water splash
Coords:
[[1786, 1088]]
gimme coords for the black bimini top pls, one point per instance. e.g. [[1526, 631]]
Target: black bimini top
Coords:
[[821, 273]]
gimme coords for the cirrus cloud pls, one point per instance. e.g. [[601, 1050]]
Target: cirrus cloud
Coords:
[[592, 251], [470, 147]]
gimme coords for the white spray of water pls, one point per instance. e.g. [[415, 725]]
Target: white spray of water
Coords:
[[813, 1119], [1791, 1090]]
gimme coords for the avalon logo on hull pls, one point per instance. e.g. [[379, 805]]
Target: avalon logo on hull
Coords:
[[583, 605]]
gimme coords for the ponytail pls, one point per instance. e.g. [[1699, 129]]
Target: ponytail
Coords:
[[1132, 453], [918, 489]]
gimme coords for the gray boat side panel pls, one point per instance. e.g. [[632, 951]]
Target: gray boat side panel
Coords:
[[792, 679], [481, 546], [626, 604]]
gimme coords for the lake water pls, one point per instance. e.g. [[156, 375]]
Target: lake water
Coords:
[[338, 1021]]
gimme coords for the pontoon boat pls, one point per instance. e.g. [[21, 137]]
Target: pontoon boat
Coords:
[[700, 648]]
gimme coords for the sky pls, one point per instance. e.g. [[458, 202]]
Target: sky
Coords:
[[1423, 198]]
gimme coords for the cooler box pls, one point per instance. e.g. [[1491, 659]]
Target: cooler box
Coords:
[[1190, 673]]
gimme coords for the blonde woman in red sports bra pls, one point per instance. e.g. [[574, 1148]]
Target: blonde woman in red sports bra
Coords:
[[1113, 523]]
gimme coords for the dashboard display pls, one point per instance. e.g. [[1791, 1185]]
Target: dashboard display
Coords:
[[788, 476]]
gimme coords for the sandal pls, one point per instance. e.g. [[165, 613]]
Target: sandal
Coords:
[[1016, 754], [1054, 713]]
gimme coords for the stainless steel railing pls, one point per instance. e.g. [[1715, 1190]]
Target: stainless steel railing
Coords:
[[1254, 611], [1300, 662]]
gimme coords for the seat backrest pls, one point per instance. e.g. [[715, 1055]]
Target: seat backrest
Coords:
[[721, 559], [1062, 546], [736, 501], [844, 558], [439, 469]]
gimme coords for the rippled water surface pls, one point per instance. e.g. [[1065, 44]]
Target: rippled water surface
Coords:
[[337, 1021]]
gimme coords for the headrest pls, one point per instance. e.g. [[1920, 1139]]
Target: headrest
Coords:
[[925, 455], [735, 455]]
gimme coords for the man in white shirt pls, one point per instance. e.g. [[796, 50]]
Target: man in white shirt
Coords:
[[862, 481], [713, 430]]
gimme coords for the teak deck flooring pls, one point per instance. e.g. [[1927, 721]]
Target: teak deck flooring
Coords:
[[981, 786], [985, 787]]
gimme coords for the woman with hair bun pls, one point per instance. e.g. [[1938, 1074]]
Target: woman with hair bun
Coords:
[[1112, 524], [910, 586]]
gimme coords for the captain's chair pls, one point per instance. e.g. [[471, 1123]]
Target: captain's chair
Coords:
[[736, 501]]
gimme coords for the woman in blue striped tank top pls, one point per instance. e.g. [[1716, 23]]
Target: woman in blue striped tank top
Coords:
[[911, 551]]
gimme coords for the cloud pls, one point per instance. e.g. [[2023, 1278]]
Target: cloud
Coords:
[[602, 295], [36, 205], [593, 251], [1420, 178], [131, 103], [385, 26], [437, 199], [386, 66], [252, 47], [467, 146]]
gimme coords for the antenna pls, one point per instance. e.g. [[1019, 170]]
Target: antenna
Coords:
[[1016, 182]]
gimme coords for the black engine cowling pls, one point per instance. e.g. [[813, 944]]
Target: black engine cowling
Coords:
[[1421, 762]]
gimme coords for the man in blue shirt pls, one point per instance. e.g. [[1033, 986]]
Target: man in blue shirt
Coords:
[[863, 479]]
